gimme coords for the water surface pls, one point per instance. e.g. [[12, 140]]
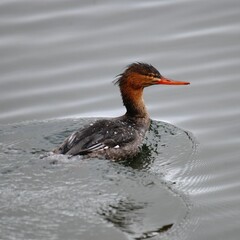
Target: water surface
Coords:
[[57, 197]]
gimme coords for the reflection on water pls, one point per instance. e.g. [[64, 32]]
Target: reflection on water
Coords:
[[125, 213], [133, 196]]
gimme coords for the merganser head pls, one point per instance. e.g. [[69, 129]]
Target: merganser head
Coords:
[[139, 75]]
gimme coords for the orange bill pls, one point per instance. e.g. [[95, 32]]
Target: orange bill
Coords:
[[168, 81]]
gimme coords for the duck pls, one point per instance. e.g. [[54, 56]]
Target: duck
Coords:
[[120, 137]]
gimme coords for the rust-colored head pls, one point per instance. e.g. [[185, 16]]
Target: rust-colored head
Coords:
[[140, 75]]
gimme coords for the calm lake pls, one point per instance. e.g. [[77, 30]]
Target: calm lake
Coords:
[[58, 61]]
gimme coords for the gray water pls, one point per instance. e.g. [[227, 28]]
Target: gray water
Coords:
[[58, 59]]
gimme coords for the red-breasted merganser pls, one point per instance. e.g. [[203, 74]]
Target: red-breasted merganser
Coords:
[[121, 137]]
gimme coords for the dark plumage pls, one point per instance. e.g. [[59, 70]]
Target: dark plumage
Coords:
[[106, 138]]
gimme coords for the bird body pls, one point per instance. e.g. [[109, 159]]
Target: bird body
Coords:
[[121, 137]]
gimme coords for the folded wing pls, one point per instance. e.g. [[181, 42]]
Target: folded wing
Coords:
[[101, 135]]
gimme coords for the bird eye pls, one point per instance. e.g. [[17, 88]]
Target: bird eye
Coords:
[[152, 75]]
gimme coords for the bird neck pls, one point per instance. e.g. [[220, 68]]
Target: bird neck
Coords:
[[133, 101]]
